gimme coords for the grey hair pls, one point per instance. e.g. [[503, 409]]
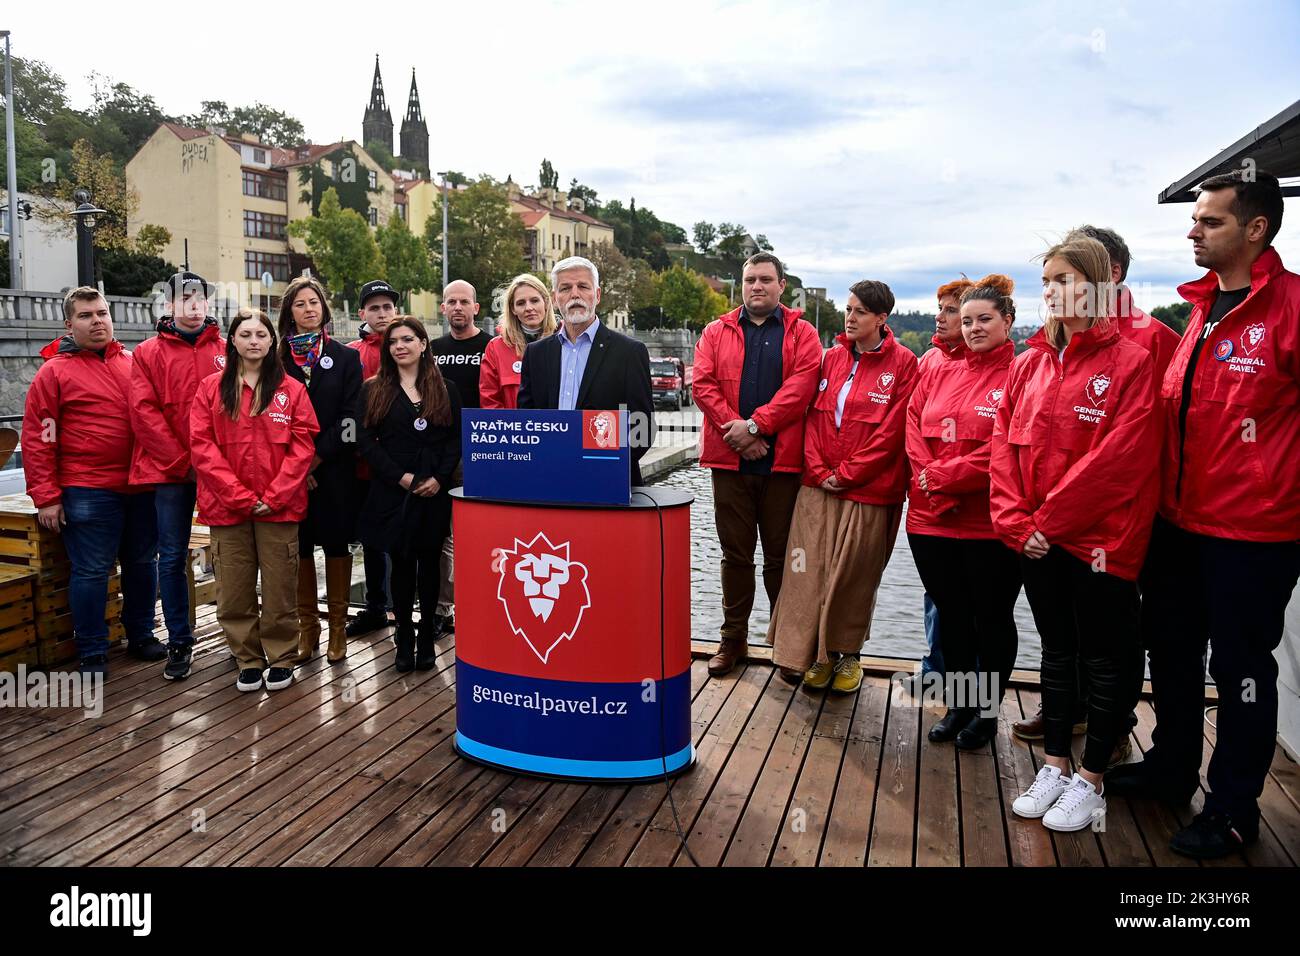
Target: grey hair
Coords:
[[576, 262]]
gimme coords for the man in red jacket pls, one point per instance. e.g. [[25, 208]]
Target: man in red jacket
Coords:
[[165, 374], [77, 460], [1225, 553], [755, 375]]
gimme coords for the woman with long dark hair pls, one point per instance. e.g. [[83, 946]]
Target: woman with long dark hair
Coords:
[[332, 374], [410, 435], [251, 437], [972, 576], [1073, 491]]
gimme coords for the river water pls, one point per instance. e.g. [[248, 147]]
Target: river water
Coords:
[[898, 628]]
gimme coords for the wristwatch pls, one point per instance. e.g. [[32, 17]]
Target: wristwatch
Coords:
[[752, 426]]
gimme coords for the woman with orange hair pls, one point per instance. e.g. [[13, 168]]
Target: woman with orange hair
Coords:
[[972, 577]]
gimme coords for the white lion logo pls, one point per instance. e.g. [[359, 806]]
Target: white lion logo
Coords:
[[886, 379], [544, 592], [1096, 388], [1252, 337]]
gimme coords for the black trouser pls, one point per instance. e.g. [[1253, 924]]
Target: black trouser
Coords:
[[974, 584], [1086, 619], [416, 571], [1231, 595], [375, 563]]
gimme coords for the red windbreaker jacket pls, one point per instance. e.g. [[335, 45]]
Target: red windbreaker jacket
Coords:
[[262, 457], [165, 375], [865, 452], [368, 345], [76, 421], [719, 359], [949, 428], [498, 376], [1239, 462], [1074, 451]]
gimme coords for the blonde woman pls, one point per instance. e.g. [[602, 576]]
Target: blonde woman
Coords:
[[1073, 491], [528, 317]]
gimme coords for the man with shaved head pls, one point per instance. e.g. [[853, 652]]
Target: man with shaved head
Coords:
[[459, 355]]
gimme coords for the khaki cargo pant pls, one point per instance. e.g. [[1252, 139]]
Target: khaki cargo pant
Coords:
[[239, 552]]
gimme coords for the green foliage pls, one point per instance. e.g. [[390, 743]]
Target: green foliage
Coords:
[[705, 236], [485, 238], [1176, 316], [382, 155], [547, 177], [625, 284], [150, 240], [640, 234], [129, 272], [32, 150], [4, 264], [588, 196], [341, 245], [39, 92], [688, 300], [915, 341], [406, 257], [273, 127], [346, 176], [123, 117]]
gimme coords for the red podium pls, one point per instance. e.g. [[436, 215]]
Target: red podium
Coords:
[[573, 636]]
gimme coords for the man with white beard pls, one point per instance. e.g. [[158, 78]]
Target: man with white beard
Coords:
[[588, 365]]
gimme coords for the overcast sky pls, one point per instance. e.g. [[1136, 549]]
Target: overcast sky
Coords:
[[907, 142]]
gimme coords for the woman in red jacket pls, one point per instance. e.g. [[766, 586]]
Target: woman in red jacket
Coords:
[[972, 577], [252, 431], [527, 317], [850, 501], [1074, 492]]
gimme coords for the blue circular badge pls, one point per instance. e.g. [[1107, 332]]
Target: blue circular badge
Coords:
[[1223, 351]]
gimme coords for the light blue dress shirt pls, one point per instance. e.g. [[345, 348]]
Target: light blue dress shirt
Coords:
[[573, 362]]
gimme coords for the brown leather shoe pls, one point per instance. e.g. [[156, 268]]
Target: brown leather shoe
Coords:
[[730, 653], [338, 580], [1031, 728]]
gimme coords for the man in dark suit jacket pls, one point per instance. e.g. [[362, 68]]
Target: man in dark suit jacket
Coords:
[[585, 364]]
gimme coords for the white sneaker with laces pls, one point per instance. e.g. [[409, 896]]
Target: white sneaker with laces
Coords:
[[1076, 808], [1042, 793]]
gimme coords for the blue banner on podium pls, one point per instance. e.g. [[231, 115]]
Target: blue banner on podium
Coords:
[[562, 457]]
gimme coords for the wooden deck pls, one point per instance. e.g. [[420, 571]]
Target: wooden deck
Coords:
[[353, 765]]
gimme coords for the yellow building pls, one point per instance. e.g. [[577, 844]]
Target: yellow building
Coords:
[[555, 226], [417, 200], [232, 198]]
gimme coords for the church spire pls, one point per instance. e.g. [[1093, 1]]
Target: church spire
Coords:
[[415, 132], [377, 125]]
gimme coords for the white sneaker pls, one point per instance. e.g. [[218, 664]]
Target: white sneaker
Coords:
[[1042, 793], [1076, 808]]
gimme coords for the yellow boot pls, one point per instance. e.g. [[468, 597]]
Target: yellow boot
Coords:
[[308, 611], [338, 582]]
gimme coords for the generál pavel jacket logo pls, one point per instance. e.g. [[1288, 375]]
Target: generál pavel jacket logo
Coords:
[[994, 397], [1096, 389], [282, 400], [544, 592], [219, 361], [1252, 338], [885, 381]]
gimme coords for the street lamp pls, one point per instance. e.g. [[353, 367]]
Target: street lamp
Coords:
[[86, 214], [16, 278]]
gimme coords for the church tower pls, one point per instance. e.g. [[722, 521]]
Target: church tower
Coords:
[[415, 132], [378, 123]]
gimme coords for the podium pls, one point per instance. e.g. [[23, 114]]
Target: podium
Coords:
[[573, 617]]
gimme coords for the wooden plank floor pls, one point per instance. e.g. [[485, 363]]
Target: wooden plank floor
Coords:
[[353, 765]]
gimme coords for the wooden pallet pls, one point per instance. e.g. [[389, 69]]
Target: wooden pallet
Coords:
[[56, 599], [54, 624], [17, 613]]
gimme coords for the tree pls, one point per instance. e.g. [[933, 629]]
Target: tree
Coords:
[[123, 117], [97, 173], [687, 299], [624, 283], [731, 241], [150, 240], [548, 178], [131, 272], [382, 155], [406, 256], [761, 242], [588, 196], [39, 92], [273, 127], [485, 238], [341, 245], [705, 236]]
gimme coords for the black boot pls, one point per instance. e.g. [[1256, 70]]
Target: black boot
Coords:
[[950, 724], [404, 638], [425, 652], [977, 733]]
